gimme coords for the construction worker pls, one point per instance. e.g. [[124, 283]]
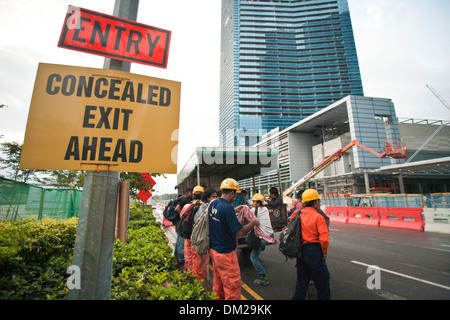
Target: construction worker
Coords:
[[224, 228], [298, 205], [200, 262], [188, 249], [312, 266], [239, 199], [275, 199], [179, 244], [262, 213]]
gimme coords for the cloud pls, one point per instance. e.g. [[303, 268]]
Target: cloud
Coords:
[[402, 46], [375, 17]]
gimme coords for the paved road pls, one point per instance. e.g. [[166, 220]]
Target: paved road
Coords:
[[413, 265]]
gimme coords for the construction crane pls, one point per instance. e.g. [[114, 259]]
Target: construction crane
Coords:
[[437, 95], [392, 148]]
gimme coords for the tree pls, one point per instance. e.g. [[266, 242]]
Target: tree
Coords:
[[66, 178], [11, 162], [1, 106], [137, 182], [75, 179], [62, 178]]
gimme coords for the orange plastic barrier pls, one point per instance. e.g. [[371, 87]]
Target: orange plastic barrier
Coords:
[[368, 216], [337, 214], [402, 218]]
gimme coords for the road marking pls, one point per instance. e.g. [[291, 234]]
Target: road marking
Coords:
[[401, 243], [408, 244], [388, 295], [249, 290], [411, 245], [445, 245], [404, 275]]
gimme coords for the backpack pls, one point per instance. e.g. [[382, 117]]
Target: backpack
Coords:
[[291, 238], [294, 208], [169, 211], [186, 222], [251, 238], [200, 233]]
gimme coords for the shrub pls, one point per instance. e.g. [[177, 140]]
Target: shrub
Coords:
[[144, 267], [35, 255]]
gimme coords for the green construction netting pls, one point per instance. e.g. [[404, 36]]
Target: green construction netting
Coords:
[[20, 200]]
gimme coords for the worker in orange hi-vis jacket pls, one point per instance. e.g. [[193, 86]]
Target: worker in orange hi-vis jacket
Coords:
[[312, 266]]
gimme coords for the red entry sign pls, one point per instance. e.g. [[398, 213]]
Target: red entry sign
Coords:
[[112, 37]]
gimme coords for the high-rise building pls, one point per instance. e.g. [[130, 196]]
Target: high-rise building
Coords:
[[281, 61]]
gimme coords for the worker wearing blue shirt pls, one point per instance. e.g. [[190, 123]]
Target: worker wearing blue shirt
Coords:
[[224, 227]]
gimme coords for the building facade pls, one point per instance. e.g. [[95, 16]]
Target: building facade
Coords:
[[371, 121], [282, 61]]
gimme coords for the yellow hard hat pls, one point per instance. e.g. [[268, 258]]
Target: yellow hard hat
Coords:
[[198, 189], [229, 183], [258, 197], [310, 195]]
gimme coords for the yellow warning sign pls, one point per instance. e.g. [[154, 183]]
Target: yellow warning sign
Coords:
[[98, 119]]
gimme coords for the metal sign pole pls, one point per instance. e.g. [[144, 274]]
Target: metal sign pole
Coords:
[[94, 244]]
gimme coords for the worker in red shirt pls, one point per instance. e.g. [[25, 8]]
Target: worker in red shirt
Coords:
[[312, 266]]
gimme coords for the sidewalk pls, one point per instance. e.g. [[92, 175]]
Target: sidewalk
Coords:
[[170, 232]]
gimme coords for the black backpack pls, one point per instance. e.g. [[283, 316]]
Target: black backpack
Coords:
[[185, 224], [251, 238], [169, 211], [291, 238]]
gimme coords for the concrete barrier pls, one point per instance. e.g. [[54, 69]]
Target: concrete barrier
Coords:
[[437, 220]]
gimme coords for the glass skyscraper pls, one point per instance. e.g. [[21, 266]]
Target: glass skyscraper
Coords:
[[282, 61]]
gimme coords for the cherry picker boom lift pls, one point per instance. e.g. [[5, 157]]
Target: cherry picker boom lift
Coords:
[[392, 148]]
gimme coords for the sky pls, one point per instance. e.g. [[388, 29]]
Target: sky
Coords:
[[402, 45]]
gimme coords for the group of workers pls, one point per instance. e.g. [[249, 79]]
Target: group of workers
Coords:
[[225, 227]]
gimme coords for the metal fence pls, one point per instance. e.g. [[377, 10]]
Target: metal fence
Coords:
[[20, 200], [434, 200]]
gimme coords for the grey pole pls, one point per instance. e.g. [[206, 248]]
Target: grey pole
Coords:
[[94, 244]]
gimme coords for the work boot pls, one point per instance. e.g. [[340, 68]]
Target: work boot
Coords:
[[263, 280]]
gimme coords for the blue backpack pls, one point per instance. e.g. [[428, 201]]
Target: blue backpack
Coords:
[[170, 213]]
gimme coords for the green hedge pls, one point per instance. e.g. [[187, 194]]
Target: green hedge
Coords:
[[34, 256]]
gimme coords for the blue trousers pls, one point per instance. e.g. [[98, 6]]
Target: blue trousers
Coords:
[[254, 256], [312, 266], [179, 249]]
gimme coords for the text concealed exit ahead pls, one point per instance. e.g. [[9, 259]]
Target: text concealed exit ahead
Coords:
[[97, 119]]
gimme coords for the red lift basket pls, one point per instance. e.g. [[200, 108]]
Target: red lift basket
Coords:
[[395, 149]]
